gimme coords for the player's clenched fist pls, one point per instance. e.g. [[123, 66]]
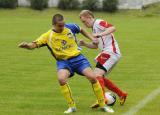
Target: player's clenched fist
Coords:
[[23, 45], [82, 42]]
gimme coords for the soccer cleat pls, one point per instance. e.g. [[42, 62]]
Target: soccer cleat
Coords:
[[70, 110], [122, 99], [96, 105], [107, 109]]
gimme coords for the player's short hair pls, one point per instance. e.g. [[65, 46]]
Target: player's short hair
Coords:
[[56, 18], [86, 13]]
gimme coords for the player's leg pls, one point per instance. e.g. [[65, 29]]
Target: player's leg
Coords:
[[63, 73], [95, 84], [99, 73], [97, 89], [109, 84], [106, 62], [82, 66], [101, 59], [113, 87]]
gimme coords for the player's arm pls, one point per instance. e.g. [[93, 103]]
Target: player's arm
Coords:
[[90, 45], [29, 46], [108, 29], [76, 29], [41, 41], [86, 34], [106, 32]]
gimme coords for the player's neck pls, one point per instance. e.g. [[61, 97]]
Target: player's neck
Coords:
[[57, 31], [92, 21]]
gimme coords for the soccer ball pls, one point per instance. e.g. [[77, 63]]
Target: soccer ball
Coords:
[[111, 98]]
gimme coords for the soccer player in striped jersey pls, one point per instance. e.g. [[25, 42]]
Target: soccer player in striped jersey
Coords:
[[110, 53]]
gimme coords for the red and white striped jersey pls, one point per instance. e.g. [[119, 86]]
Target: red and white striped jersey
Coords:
[[106, 43]]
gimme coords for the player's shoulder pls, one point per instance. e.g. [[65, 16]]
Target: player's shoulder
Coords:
[[100, 21], [102, 24], [47, 33], [73, 27]]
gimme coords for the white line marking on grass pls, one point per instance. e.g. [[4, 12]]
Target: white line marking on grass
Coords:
[[143, 102]]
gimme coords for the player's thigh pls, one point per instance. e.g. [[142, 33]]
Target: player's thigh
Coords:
[[63, 75], [99, 72], [89, 74], [110, 64], [113, 66]]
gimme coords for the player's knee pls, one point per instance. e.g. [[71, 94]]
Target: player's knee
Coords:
[[93, 80], [99, 78], [62, 81], [98, 74]]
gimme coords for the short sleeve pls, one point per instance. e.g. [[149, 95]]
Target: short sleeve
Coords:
[[104, 24], [42, 40], [74, 28]]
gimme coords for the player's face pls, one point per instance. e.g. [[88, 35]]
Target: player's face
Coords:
[[59, 26], [86, 21]]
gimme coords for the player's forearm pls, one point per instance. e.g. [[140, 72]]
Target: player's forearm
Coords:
[[90, 45], [86, 34], [108, 31], [32, 46], [29, 46]]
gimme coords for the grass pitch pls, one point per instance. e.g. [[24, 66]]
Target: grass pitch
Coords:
[[28, 81]]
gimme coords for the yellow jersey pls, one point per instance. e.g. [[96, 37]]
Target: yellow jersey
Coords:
[[62, 45]]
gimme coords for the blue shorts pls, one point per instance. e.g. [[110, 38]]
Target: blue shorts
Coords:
[[76, 64]]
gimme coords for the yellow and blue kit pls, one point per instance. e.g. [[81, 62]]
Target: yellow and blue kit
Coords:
[[64, 48]]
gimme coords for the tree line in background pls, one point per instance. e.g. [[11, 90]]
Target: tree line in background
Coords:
[[94, 5]]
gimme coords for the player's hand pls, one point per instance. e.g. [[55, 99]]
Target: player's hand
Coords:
[[95, 41], [97, 35], [82, 42], [23, 45]]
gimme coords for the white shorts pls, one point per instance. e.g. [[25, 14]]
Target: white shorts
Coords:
[[107, 59]]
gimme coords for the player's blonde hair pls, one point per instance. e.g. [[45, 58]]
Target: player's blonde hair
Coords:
[[86, 13]]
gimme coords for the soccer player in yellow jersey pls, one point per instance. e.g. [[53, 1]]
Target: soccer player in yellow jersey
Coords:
[[61, 41]]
